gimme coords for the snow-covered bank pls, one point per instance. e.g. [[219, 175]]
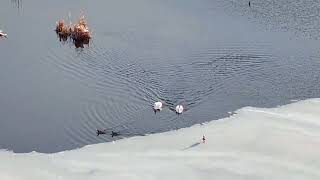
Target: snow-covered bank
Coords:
[[255, 143]]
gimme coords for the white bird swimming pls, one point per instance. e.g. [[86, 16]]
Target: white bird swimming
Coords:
[[2, 34], [157, 106], [179, 109]]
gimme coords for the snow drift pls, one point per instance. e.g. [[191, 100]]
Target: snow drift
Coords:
[[254, 143]]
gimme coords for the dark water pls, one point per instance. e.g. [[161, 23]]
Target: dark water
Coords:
[[211, 56]]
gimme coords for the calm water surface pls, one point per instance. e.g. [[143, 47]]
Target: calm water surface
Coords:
[[211, 56]]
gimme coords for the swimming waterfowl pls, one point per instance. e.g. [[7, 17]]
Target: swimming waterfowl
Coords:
[[179, 109], [101, 132], [113, 133], [157, 106], [2, 34]]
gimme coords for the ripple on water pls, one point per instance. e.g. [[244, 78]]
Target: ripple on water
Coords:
[[298, 16], [126, 88]]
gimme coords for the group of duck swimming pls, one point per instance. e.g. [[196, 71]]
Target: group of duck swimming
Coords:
[[104, 131], [157, 106]]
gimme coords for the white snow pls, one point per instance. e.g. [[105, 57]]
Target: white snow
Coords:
[[255, 143]]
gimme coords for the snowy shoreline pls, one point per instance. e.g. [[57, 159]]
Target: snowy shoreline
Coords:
[[254, 143]]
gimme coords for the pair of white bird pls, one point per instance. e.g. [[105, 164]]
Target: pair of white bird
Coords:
[[2, 34], [157, 106]]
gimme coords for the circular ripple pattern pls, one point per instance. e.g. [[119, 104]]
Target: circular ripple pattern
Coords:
[[127, 86], [213, 57]]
